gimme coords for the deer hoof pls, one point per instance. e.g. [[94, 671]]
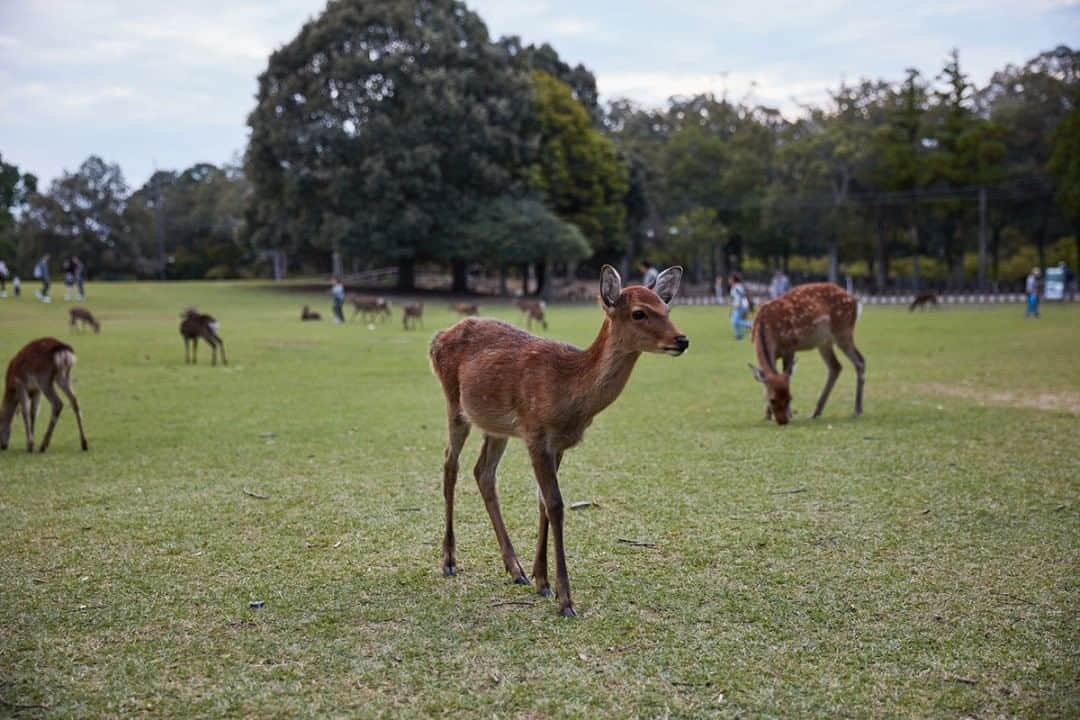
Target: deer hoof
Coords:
[[449, 571], [568, 611], [522, 580], [545, 592]]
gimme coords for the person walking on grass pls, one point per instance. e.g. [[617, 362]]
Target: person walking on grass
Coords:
[[3, 279], [1031, 288], [79, 270], [41, 272], [337, 294], [740, 306], [69, 279], [649, 273], [780, 284]]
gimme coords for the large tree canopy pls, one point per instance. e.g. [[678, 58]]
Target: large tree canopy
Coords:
[[380, 125]]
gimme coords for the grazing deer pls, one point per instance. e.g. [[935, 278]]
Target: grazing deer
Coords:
[[370, 308], [924, 300], [413, 312], [810, 316], [466, 309], [513, 384], [82, 315], [32, 373], [308, 315], [195, 325], [533, 310]]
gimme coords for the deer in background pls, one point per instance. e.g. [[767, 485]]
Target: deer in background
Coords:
[[32, 373], [811, 316], [533, 310], [466, 309], [82, 315], [513, 384], [195, 325], [924, 300], [413, 312], [370, 308], [307, 315]]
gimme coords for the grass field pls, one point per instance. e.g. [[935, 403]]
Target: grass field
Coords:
[[921, 561]]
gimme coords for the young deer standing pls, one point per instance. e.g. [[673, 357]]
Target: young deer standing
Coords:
[[195, 325], [414, 312], [810, 316], [513, 384], [79, 314], [533, 310], [370, 308], [31, 374]]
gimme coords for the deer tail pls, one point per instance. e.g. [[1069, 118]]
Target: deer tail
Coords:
[[214, 327], [65, 360]]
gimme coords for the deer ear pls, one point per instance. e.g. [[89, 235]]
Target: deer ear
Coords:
[[758, 374], [667, 283], [610, 285]]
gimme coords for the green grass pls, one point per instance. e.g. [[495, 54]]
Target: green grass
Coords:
[[921, 561]]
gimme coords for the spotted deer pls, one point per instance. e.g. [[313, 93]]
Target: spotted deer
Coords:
[[195, 325], [466, 309], [78, 315], [510, 383], [32, 373], [817, 315], [370, 308]]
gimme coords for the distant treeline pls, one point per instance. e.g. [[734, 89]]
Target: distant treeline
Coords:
[[398, 133]]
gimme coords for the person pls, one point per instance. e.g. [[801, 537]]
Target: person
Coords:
[[41, 272], [16, 286], [780, 284], [337, 293], [1031, 287], [69, 279], [80, 276], [1068, 275], [649, 273], [740, 306], [3, 279]]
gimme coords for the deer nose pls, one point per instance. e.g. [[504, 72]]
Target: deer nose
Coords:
[[682, 342]]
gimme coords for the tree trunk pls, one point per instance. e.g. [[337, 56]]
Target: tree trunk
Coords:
[[1040, 236], [503, 272], [542, 288], [834, 259], [916, 271], [337, 268], [881, 271], [406, 279], [461, 276], [984, 231], [524, 279]]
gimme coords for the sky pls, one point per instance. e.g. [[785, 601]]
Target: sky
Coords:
[[150, 84]]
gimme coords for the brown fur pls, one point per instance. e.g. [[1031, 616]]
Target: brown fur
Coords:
[[30, 374], [195, 325], [513, 384], [413, 312], [813, 316], [924, 300], [370, 308], [82, 315]]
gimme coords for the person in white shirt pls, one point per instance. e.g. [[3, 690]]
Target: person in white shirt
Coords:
[[649, 273], [1031, 287], [337, 293], [740, 306], [780, 284]]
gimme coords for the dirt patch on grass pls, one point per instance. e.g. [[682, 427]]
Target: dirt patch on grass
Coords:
[[1057, 401]]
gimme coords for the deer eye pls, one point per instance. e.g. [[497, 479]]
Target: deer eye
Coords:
[[638, 314]]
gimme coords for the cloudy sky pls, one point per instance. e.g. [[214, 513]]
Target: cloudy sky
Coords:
[[148, 83]]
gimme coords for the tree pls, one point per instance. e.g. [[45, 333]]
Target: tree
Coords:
[[380, 126], [16, 188], [578, 172], [1065, 166]]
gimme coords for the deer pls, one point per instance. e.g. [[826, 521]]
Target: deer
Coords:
[[817, 315], [78, 315], [510, 383], [414, 312], [370, 308], [924, 300], [533, 310], [466, 309], [307, 315], [195, 325], [33, 371]]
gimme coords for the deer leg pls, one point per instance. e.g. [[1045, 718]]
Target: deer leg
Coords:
[[28, 422], [194, 351], [486, 466], [221, 344], [213, 350], [459, 431], [834, 367], [540, 568], [35, 400], [847, 345], [64, 381], [57, 407], [544, 465]]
